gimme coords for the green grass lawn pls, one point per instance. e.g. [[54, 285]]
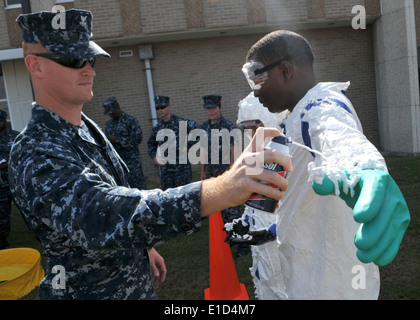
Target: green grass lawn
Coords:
[[401, 279], [187, 257]]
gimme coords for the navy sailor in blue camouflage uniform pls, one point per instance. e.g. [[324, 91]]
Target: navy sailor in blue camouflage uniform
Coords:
[[71, 185], [213, 126], [6, 140], [125, 134], [175, 170]]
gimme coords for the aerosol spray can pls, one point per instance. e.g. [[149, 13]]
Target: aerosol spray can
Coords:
[[262, 202]]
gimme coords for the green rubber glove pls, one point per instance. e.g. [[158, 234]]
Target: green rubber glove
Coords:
[[379, 206]]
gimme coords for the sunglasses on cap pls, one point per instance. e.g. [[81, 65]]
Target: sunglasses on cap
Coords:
[[67, 62]]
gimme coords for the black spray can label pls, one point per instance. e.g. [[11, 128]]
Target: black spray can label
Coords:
[[261, 202]]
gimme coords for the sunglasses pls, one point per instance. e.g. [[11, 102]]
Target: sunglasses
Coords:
[[161, 107], [67, 62]]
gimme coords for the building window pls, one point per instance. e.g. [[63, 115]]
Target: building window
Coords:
[[12, 3]]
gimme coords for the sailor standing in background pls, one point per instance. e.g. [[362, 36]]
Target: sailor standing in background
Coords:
[[173, 172], [213, 126], [125, 134]]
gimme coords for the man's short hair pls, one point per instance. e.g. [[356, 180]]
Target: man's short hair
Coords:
[[281, 44]]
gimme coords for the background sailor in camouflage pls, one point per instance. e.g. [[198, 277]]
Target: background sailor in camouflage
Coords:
[[212, 126], [71, 185], [171, 174], [125, 134], [6, 140]]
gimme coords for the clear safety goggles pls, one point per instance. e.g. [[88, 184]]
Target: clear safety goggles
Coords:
[[256, 73], [255, 78]]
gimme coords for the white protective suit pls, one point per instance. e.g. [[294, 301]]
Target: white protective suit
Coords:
[[316, 233], [265, 268]]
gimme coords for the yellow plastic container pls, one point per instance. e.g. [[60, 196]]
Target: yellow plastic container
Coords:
[[20, 272]]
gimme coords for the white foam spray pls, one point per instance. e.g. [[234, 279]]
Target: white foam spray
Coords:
[[307, 148]]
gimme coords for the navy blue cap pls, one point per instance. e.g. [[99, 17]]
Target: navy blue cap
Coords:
[[161, 101], [73, 41], [109, 105], [212, 100]]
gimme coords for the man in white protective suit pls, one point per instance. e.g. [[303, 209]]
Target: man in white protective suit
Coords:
[[328, 248], [265, 259]]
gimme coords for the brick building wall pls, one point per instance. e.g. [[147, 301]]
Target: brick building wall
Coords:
[[162, 16], [4, 36], [337, 9], [157, 16], [286, 11], [225, 13]]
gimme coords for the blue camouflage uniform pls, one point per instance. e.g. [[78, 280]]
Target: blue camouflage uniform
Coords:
[[71, 186], [216, 169], [6, 141], [72, 189], [179, 173], [129, 135]]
